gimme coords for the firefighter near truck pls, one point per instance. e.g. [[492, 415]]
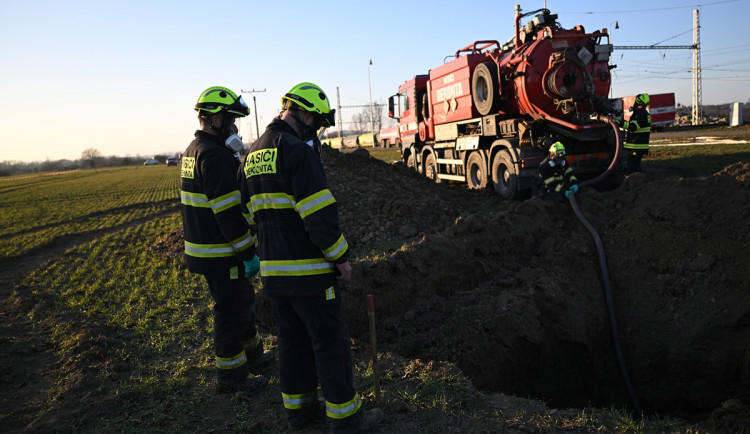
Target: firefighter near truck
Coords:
[[490, 114]]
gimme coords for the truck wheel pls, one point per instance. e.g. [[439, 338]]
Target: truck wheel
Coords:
[[485, 91], [505, 176], [430, 168], [410, 161], [476, 171]]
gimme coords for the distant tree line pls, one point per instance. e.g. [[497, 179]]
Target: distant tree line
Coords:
[[90, 159]]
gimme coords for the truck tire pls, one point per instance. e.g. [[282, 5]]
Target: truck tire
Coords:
[[485, 91], [410, 161], [430, 168], [505, 176], [476, 171]]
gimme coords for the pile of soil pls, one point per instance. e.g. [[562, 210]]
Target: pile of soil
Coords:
[[512, 292]]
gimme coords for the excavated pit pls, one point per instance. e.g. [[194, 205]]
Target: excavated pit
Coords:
[[512, 293]]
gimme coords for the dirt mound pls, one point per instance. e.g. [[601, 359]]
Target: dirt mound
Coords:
[[512, 293]]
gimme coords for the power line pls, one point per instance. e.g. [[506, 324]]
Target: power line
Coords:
[[651, 10]]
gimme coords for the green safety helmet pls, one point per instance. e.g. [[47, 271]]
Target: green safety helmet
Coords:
[[642, 99], [557, 148], [309, 97], [219, 99]]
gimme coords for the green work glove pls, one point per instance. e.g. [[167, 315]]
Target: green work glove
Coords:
[[251, 267], [572, 190]]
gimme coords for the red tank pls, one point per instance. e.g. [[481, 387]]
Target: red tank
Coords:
[[545, 71]]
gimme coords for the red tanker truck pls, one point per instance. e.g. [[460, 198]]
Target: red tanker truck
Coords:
[[490, 114]]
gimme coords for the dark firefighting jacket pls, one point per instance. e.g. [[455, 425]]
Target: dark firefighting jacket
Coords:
[[216, 233], [637, 130], [556, 176], [286, 195]]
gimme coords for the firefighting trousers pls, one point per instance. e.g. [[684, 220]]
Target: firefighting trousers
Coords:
[[314, 347], [236, 339], [633, 162]]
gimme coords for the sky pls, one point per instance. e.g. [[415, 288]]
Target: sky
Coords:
[[123, 76]]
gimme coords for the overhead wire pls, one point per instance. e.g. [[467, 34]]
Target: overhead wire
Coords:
[[653, 9]]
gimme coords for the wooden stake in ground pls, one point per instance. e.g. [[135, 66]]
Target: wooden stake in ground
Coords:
[[373, 345]]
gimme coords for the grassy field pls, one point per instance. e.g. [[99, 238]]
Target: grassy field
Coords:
[[127, 332], [40, 209]]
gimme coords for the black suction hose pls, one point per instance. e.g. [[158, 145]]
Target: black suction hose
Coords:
[[615, 159], [605, 273]]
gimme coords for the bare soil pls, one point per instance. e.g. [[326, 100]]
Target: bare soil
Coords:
[[509, 295], [514, 295]]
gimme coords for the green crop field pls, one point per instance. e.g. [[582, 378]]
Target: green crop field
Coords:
[[39, 209]]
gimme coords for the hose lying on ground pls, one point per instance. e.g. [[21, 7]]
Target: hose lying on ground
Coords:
[[605, 273]]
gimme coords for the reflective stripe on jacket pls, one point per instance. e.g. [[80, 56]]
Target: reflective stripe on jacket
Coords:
[[637, 130], [288, 204], [217, 236], [556, 176]]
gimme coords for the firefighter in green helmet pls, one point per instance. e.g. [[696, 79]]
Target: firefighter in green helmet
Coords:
[[637, 133], [218, 241], [557, 180], [303, 259]]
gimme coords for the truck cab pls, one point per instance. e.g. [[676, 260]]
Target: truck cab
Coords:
[[406, 107]]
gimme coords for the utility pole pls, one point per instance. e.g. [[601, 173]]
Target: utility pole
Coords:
[[697, 113], [372, 114], [697, 97], [338, 110], [255, 108]]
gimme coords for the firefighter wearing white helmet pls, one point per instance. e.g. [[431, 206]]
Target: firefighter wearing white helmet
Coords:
[[556, 177], [303, 257], [218, 241], [637, 133]]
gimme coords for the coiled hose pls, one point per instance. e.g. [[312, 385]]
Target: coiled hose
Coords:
[[605, 272]]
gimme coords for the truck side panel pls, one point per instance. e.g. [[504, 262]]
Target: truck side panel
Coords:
[[450, 96]]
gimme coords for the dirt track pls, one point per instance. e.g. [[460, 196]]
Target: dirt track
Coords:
[[512, 294]]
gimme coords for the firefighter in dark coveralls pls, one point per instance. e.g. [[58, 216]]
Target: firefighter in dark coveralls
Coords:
[[218, 241], [637, 134], [303, 256], [556, 176]]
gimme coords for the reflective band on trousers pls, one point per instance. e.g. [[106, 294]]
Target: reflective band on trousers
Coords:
[[252, 343], [340, 411], [295, 402], [231, 362], [314, 202], [296, 267], [337, 249], [208, 250], [225, 201]]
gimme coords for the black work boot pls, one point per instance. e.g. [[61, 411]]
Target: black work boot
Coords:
[[370, 418], [261, 360], [300, 419], [367, 421], [235, 380]]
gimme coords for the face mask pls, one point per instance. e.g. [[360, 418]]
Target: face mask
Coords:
[[234, 143]]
